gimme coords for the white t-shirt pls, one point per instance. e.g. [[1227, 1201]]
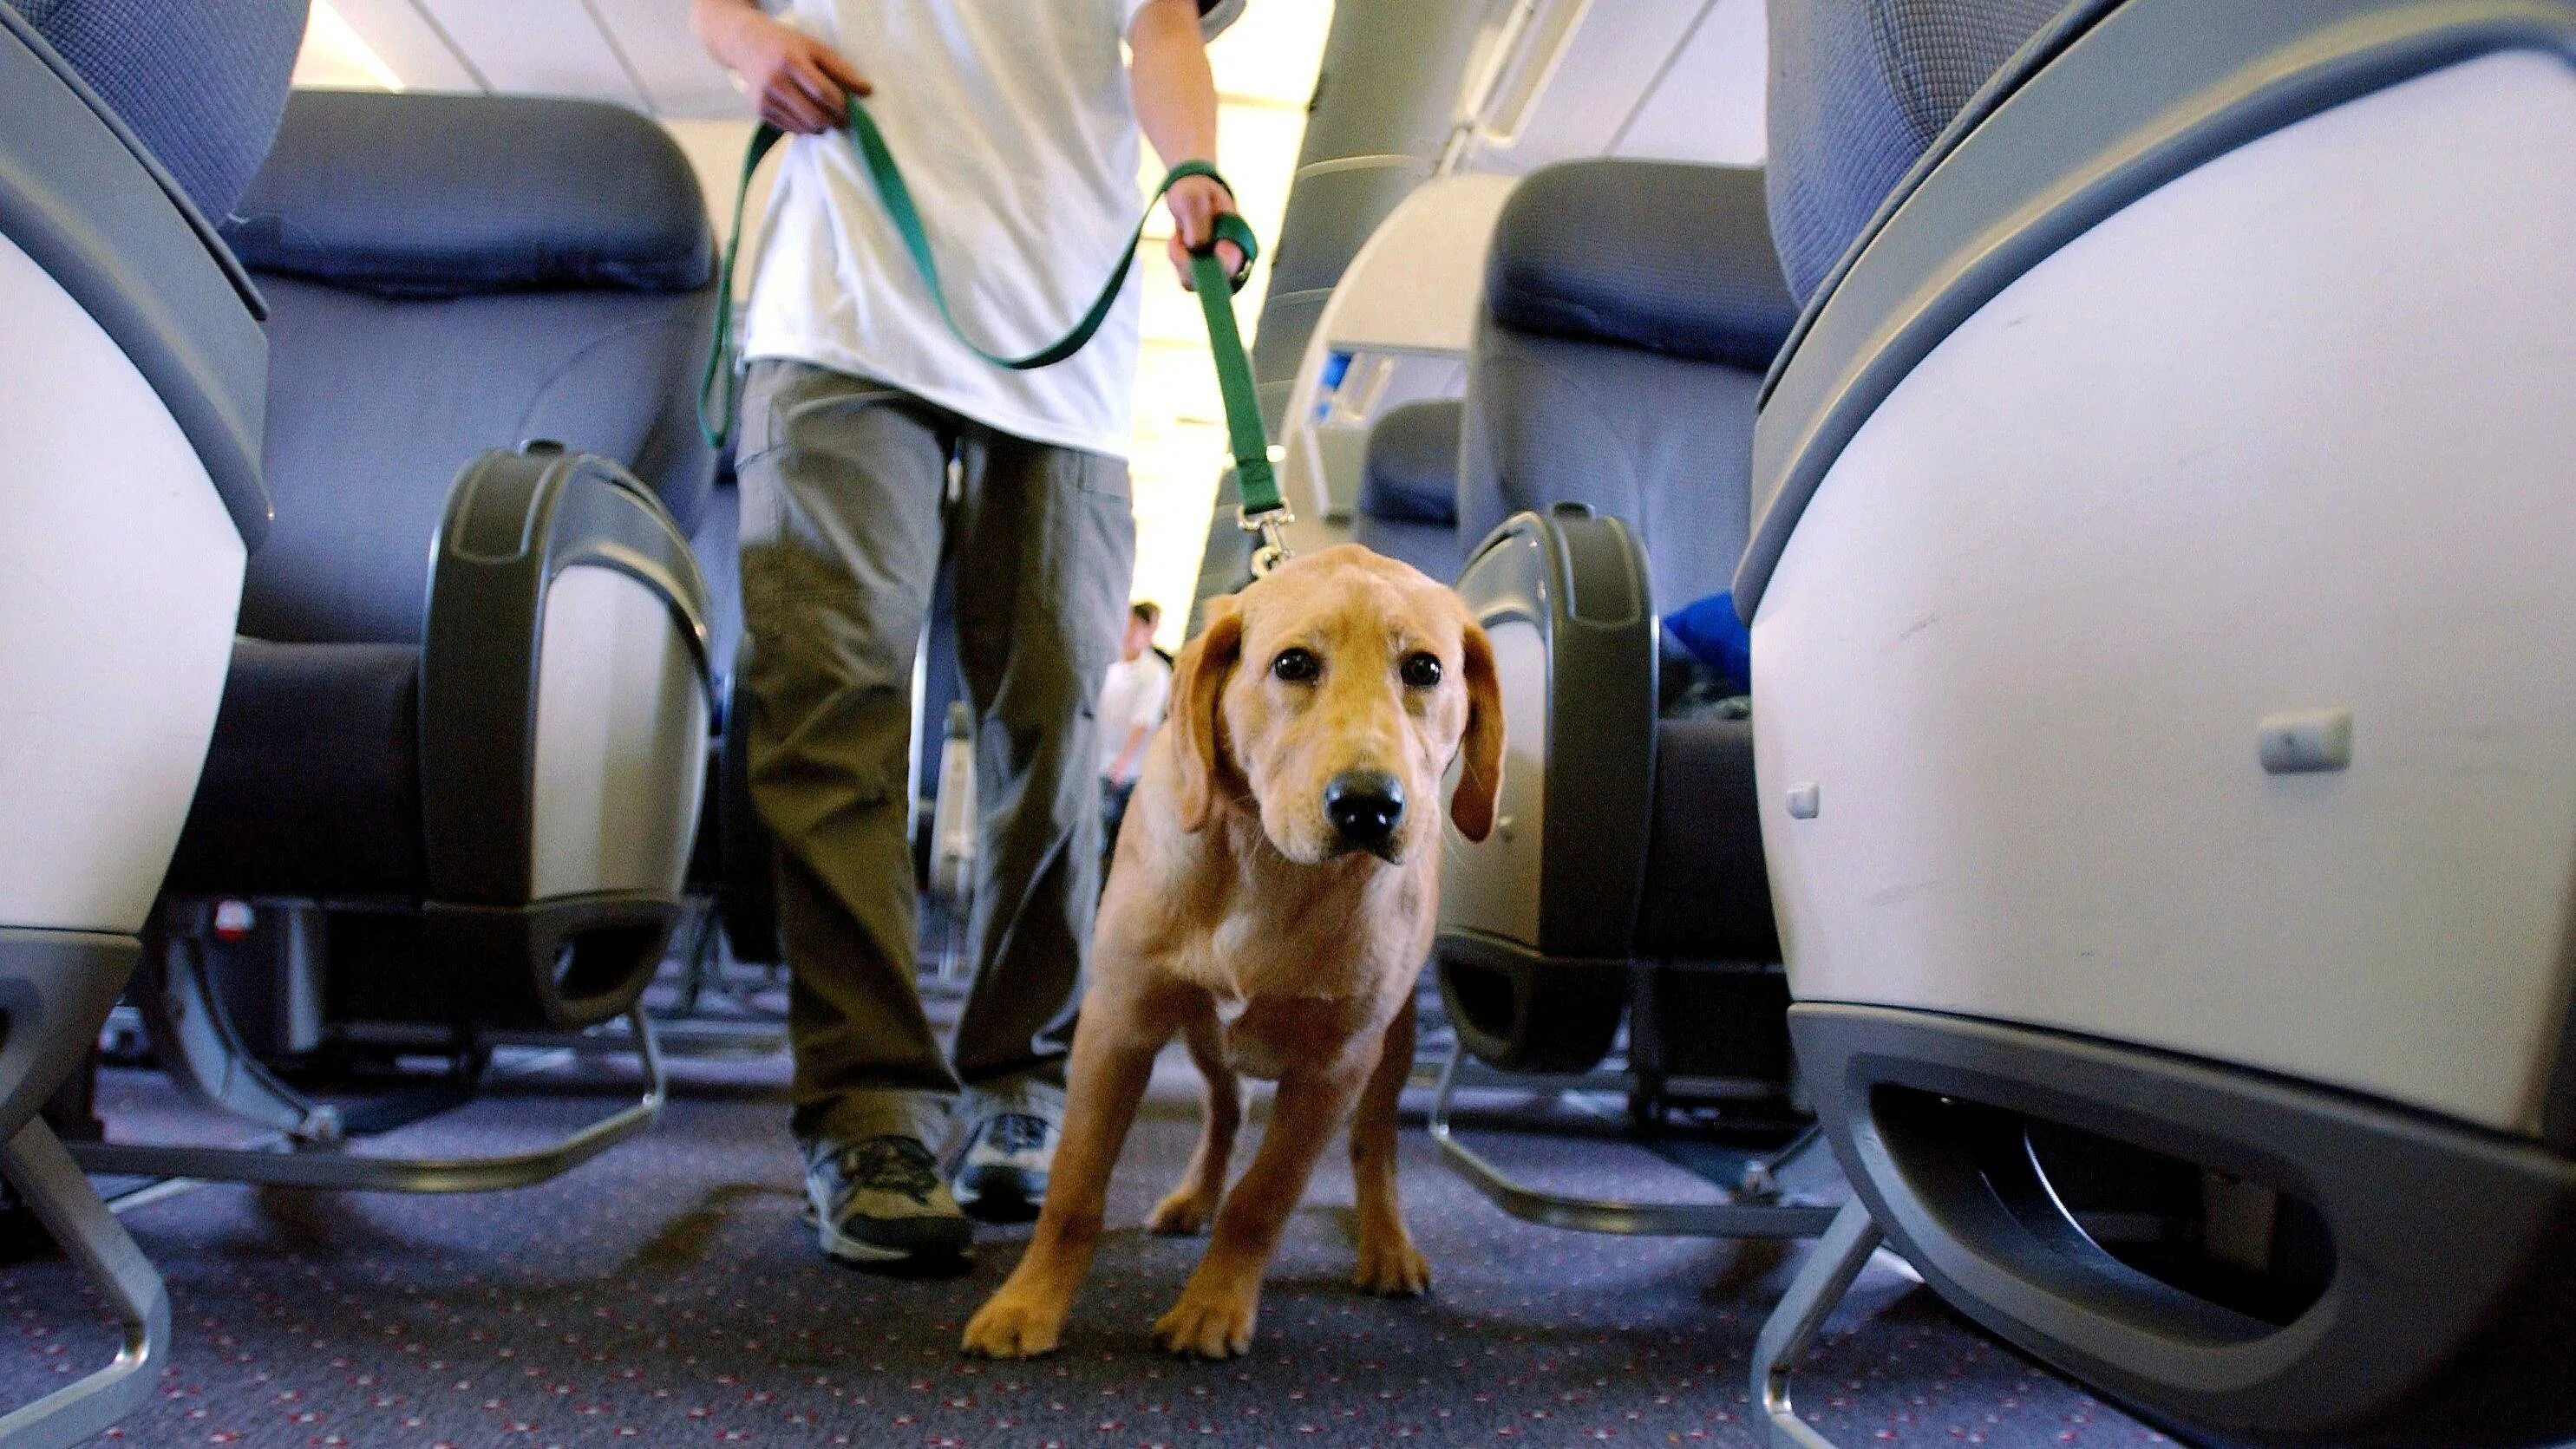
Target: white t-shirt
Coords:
[[1013, 125], [1134, 692]]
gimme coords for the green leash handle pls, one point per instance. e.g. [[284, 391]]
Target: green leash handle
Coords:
[[1262, 508]]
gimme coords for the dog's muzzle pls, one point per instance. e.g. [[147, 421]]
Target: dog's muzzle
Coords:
[[1365, 807]]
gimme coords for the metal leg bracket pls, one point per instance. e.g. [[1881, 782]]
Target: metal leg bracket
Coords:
[[1746, 1217], [330, 1166], [1819, 1286], [62, 1199]]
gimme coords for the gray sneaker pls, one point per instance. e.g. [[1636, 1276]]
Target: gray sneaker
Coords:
[[1009, 1149], [880, 1204]]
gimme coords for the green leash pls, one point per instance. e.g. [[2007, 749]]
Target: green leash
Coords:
[[1263, 512]]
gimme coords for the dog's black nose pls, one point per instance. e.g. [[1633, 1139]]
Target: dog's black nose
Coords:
[[1364, 806]]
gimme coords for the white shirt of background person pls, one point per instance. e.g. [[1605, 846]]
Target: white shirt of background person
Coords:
[[1133, 696]]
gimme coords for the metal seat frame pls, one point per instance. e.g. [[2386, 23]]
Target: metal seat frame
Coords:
[[194, 1038], [53, 1187], [1773, 1202]]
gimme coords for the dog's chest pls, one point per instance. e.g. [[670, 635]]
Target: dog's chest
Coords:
[[1265, 1036]]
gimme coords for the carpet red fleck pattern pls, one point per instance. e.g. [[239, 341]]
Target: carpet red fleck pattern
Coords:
[[668, 1294]]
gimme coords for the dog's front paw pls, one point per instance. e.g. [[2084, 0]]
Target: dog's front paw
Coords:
[[1184, 1214], [1013, 1326], [1392, 1267], [1207, 1327]]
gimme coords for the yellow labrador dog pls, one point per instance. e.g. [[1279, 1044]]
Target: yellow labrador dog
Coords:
[[1271, 903]]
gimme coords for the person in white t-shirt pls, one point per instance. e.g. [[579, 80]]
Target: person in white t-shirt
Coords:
[[1133, 696], [872, 442]]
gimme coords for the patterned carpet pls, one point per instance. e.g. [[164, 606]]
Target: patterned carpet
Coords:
[[667, 1294]]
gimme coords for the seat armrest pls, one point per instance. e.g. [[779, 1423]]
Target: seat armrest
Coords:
[[566, 688]]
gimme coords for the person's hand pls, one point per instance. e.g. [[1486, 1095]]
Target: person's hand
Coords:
[[797, 83], [1196, 203]]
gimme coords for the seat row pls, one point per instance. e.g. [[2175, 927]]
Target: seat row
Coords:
[[2105, 477], [363, 641]]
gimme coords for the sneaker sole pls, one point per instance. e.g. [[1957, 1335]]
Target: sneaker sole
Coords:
[[842, 1248], [1002, 1196]]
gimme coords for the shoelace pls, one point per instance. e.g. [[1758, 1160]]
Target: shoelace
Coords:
[[1015, 1132], [891, 1164]]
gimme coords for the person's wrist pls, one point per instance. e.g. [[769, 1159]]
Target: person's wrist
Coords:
[[729, 30]]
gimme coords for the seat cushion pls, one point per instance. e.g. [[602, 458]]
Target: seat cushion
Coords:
[[438, 195], [375, 405], [1707, 894], [1434, 548], [1859, 89], [1656, 255], [1412, 469], [312, 784]]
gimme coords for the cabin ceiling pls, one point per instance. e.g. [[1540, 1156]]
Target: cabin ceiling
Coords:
[[640, 53]]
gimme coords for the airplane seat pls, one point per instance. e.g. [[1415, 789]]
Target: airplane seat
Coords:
[[1408, 499], [466, 731], [1629, 309], [129, 470], [2158, 621]]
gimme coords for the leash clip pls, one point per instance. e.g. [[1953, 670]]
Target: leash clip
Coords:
[[1271, 525]]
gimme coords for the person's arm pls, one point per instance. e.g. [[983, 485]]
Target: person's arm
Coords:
[[1131, 755], [797, 83], [1167, 72], [1153, 695]]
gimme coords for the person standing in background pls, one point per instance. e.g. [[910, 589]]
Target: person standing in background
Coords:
[[1017, 123], [1133, 696]]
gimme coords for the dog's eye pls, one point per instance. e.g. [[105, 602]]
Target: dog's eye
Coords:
[[1296, 666], [1421, 670]]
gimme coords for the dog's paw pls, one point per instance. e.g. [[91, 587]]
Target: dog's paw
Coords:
[[1208, 1328], [1184, 1214], [1392, 1268], [1009, 1327]]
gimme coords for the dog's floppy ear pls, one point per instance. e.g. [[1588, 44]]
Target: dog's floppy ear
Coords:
[[1198, 687], [1480, 750]]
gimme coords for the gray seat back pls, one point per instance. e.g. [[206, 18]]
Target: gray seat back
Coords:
[[1859, 89], [201, 82], [1616, 365], [1408, 503], [448, 274]]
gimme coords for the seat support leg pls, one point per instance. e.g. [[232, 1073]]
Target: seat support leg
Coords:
[[1820, 1285], [193, 1035], [63, 1200], [1746, 1217], [351, 1171]]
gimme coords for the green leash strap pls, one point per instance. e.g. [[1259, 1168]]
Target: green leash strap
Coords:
[[1262, 510]]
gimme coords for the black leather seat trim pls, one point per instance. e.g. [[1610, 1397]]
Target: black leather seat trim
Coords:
[[312, 783]]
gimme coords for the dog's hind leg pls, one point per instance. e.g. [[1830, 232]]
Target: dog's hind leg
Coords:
[[1191, 1206], [1388, 1261], [1114, 1046]]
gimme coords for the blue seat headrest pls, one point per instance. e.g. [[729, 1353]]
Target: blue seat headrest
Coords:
[[1657, 255], [199, 82], [448, 195], [1859, 89]]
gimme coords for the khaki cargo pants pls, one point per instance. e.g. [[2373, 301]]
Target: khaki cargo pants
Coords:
[[845, 512]]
